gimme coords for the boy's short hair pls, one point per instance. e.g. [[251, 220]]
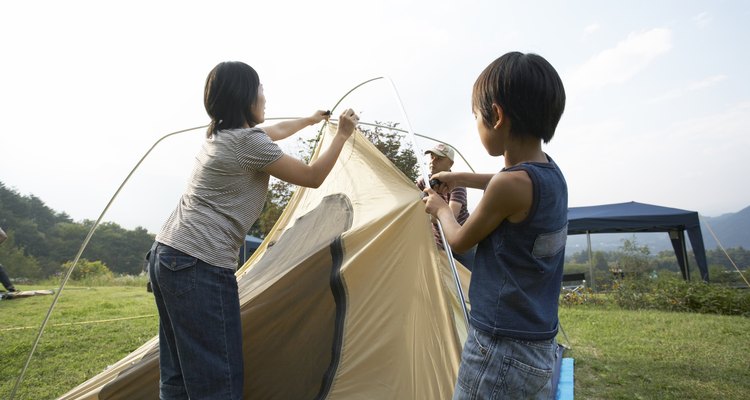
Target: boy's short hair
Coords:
[[527, 88]]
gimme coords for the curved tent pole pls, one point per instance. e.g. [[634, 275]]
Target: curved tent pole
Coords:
[[320, 131], [425, 176], [424, 137], [83, 247], [78, 256], [138, 164]]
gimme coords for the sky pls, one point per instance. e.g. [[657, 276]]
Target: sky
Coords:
[[658, 93]]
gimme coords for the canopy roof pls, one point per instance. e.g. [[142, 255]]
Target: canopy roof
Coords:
[[639, 217]]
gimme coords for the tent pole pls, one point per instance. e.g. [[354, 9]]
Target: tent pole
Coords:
[[426, 178], [78, 256], [591, 260]]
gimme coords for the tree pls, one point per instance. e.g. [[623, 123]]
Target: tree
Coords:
[[43, 239], [389, 142], [634, 259], [277, 198], [16, 263]]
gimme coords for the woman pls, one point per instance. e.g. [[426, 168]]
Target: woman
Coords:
[[192, 273]]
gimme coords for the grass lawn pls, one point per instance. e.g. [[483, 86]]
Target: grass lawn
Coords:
[[90, 328], [622, 354], [618, 354]]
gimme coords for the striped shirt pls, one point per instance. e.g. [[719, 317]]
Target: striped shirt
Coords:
[[224, 197]]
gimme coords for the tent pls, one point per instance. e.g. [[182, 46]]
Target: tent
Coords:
[[347, 298], [639, 217]]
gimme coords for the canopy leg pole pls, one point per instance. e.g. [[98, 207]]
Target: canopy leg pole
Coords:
[[591, 260], [685, 255]]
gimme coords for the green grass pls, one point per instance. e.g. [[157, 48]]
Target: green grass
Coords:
[[85, 334], [622, 354], [618, 354]]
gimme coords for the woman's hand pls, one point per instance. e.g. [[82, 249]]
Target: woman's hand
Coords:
[[318, 116], [347, 122], [284, 129]]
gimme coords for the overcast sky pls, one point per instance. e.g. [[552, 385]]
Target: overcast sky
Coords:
[[658, 106]]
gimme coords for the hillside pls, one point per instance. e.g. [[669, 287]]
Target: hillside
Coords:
[[41, 240], [732, 230]]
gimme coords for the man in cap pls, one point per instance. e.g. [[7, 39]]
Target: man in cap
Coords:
[[441, 159]]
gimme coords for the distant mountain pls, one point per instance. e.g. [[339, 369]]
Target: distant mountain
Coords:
[[732, 230]]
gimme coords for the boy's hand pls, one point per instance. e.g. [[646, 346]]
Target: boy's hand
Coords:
[[446, 182], [433, 202]]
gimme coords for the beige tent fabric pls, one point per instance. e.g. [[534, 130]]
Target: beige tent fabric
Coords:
[[347, 298]]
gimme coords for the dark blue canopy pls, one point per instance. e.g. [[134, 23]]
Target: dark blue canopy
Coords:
[[248, 248], [639, 217]]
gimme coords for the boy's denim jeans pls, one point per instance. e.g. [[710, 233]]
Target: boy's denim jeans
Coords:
[[200, 332], [494, 367]]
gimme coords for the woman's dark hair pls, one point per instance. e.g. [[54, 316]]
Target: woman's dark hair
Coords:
[[231, 90], [529, 91]]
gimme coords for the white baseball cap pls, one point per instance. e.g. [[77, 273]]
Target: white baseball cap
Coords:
[[441, 150]]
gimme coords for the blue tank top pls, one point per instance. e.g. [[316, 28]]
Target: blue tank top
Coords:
[[515, 283]]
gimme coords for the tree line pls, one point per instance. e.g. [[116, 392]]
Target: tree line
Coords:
[[41, 240], [635, 260]]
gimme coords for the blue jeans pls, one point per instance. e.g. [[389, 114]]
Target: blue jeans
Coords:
[[200, 332], [495, 367], [5, 280]]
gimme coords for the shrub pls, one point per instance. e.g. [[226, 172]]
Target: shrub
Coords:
[[86, 269], [674, 294], [578, 296]]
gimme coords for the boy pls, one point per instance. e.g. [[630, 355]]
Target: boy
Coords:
[[520, 225]]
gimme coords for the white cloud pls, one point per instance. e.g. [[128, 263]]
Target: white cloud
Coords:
[[702, 20], [692, 87], [618, 64]]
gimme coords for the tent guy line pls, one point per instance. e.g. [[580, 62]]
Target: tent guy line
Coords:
[[724, 250], [99, 321]]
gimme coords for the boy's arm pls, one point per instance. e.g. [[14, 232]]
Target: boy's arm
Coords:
[[507, 196], [465, 179], [284, 129]]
